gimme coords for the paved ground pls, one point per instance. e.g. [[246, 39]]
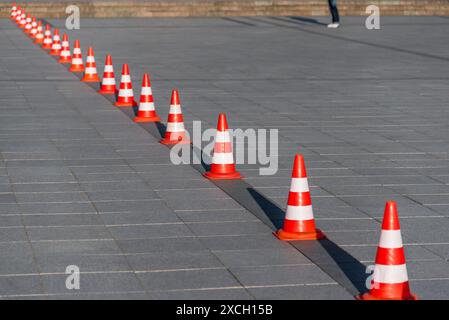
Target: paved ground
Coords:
[[82, 184]]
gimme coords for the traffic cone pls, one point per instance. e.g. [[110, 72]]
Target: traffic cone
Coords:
[[175, 132], [299, 223], [28, 21], [56, 45], [390, 279], [146, 112], [19, 14], [39, 38], [33, 30], [108, 82], [13, 12], [90, 72], [23, 20], [222, 166], [46, 44], [65, 57], [125, 94], [77, 58]]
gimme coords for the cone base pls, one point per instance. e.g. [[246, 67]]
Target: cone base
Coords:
[[126, 104], [286, 236], [95, 79], [107, 91], [55, 53], [38, 41], [168, 142], [369, 296], [223, 176], [147, 119], [76, 69], [64, 61]]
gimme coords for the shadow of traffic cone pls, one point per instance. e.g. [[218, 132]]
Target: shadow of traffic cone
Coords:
[[56, 45], [146, 112], [77, 58], [390, 279], [39, 34], [46, 44], [33, 30], [90, 71], [175, 132], [299, 222], [222, 166], [125, 96], [108, 82], [65, 56]]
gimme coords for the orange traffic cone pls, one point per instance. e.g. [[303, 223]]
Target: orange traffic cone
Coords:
[[13, 12], [23, 20], [46, 44], [299, 223], [65, 57], [175, 132], [77, 58], [56, 45], [27, 27], [19, 16], [39, 34], [33, 30], [90, 72], [222, 166], [125, 94], [108, 82], [147, 112], [390, 279]]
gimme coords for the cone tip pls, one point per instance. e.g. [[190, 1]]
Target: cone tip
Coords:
[[146, 80], [125, 69], [175, 97], [222, 122], [299, 168], [391, 218], [90, 51]]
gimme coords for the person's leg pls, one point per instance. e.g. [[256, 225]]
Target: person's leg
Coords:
[[334, 11]]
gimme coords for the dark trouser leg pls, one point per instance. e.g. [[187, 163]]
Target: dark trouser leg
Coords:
[[334, 10]]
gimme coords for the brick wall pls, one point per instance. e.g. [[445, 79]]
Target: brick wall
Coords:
[[185, 8]]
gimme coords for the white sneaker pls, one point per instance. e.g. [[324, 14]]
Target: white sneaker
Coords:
[[333, 25]]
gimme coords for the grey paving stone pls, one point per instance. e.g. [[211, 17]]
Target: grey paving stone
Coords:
[[301, 292], [213, 294], [94, 282], [188, 279], [173, 260], [376, 143], [19, 285]]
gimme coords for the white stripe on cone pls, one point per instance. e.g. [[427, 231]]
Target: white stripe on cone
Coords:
[[146, 106], [223, 158], [175, 127], [126, 78], [300, 213], [390, 239], [175, 109], [390, 274], [146, 91], [108, 81], [299, 185], [222, 137], [126, 93]]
